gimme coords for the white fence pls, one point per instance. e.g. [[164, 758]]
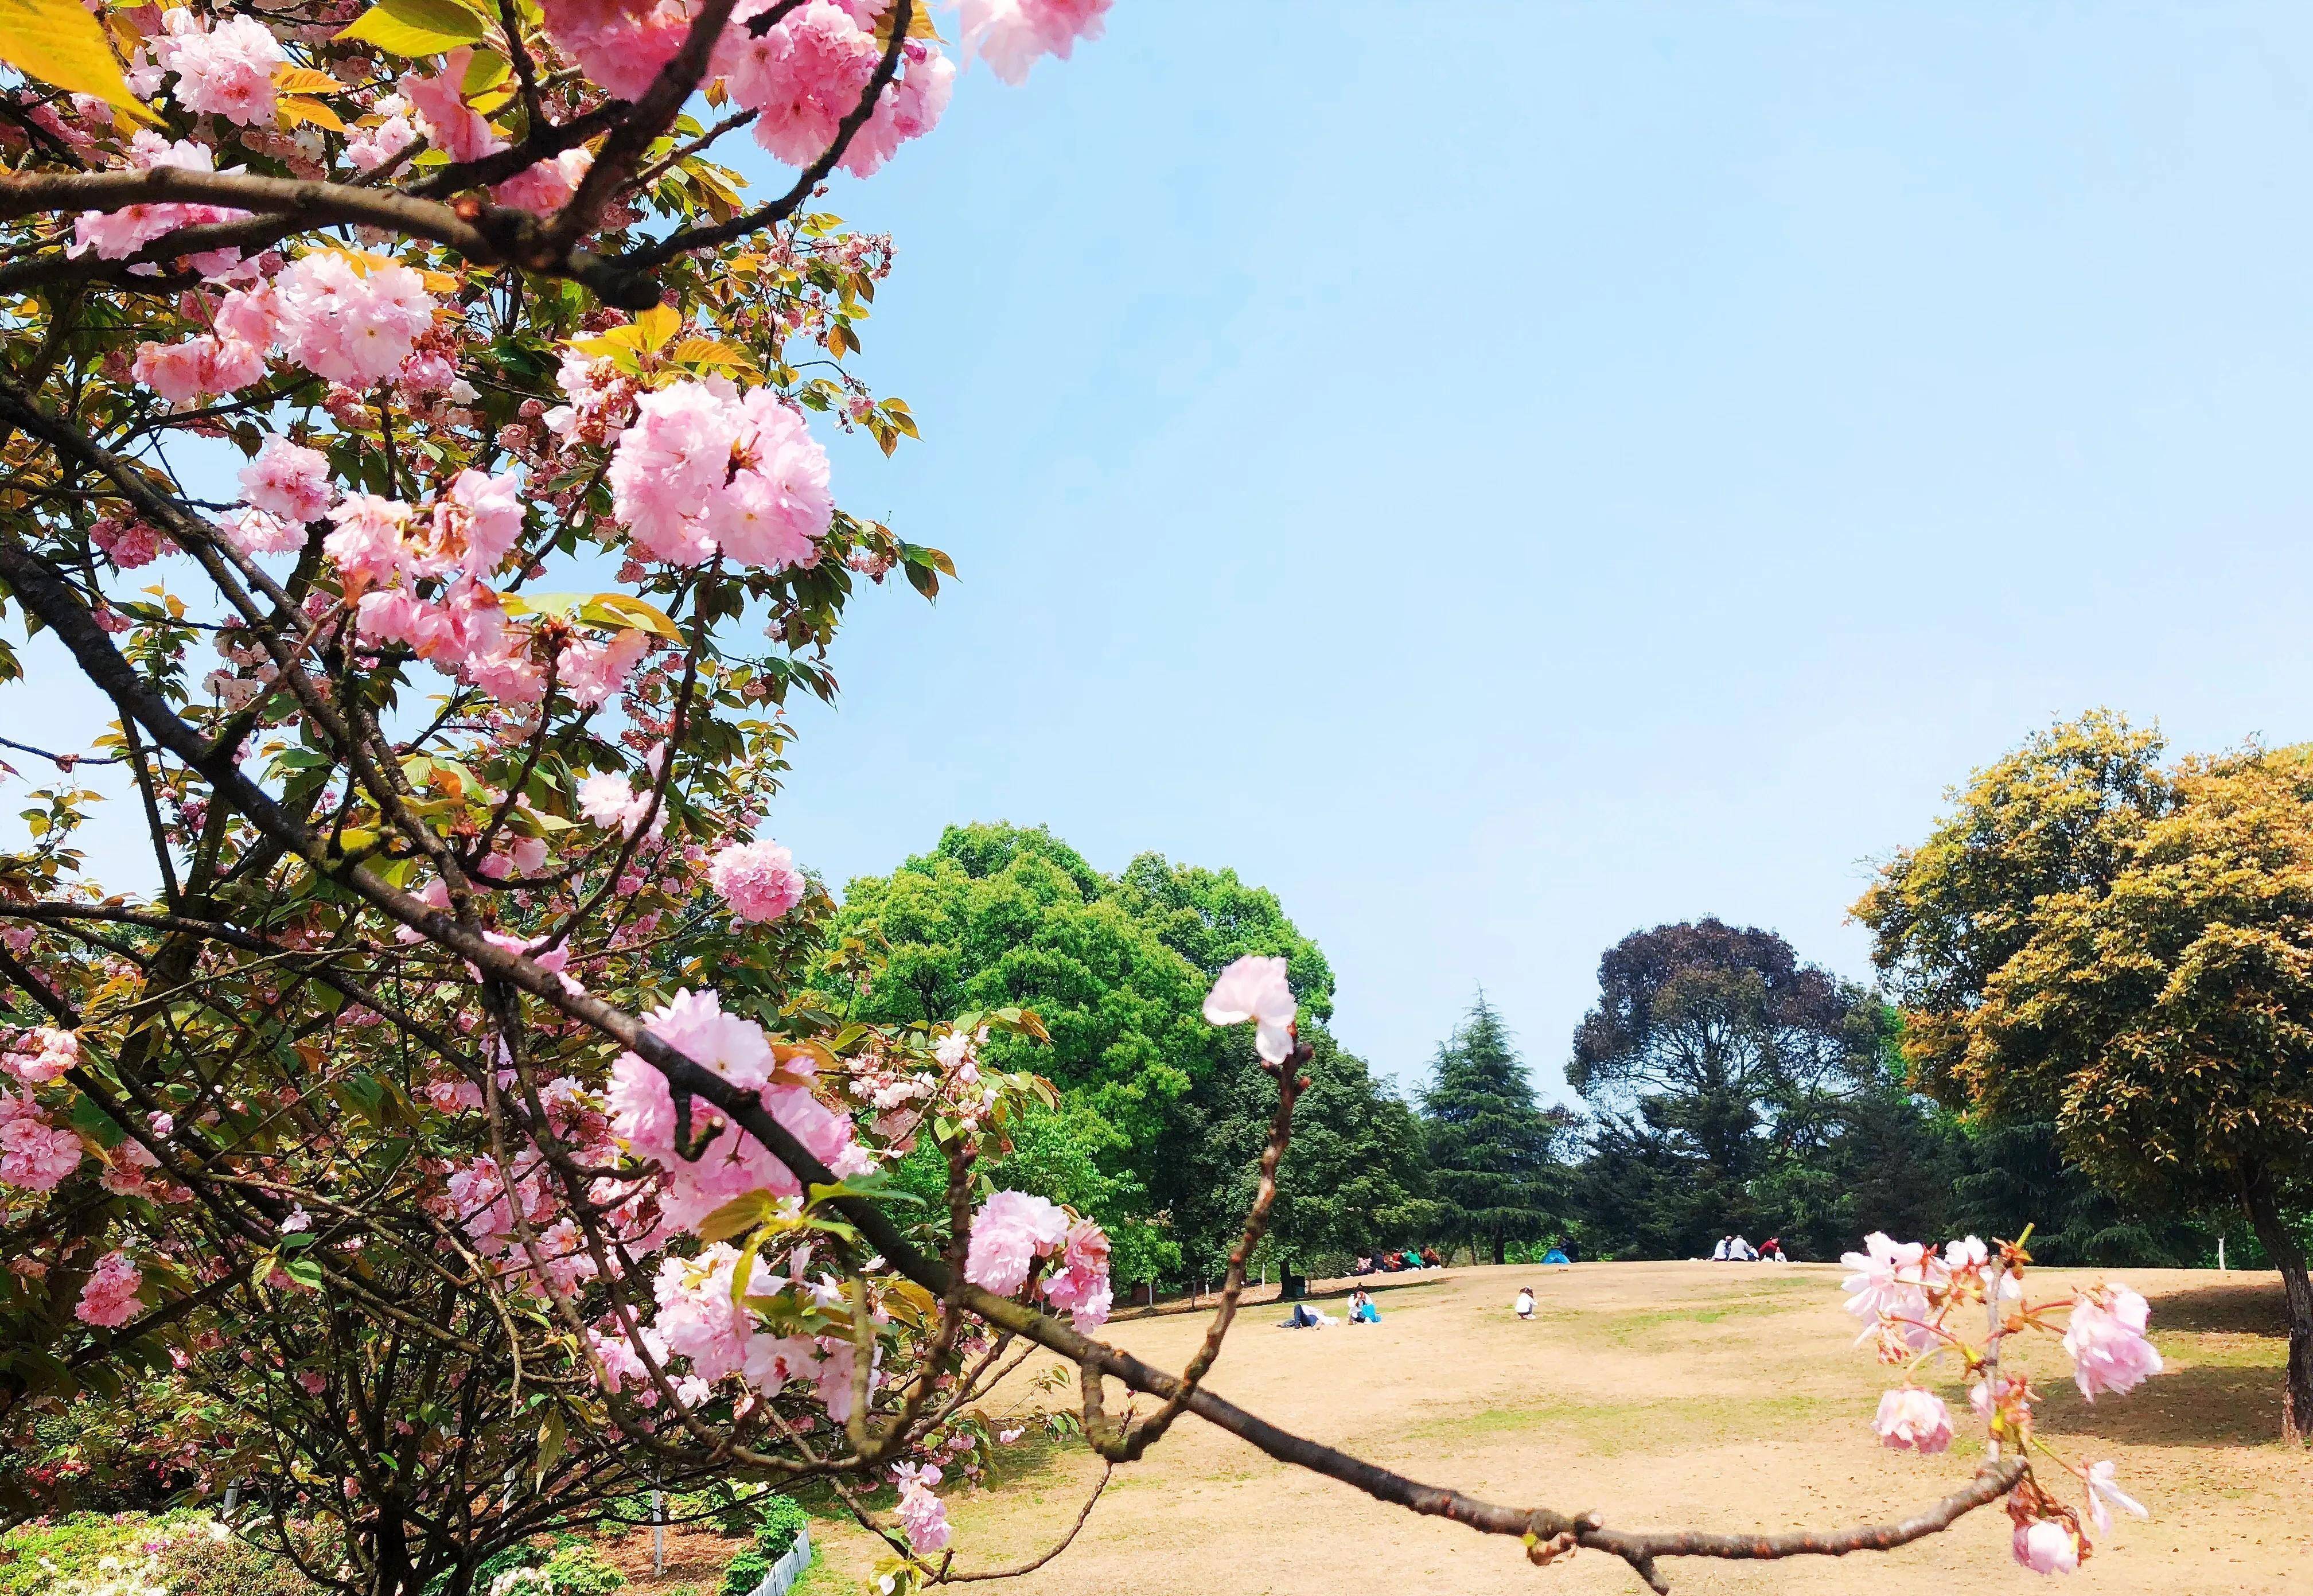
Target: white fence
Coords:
[[788, 1569]]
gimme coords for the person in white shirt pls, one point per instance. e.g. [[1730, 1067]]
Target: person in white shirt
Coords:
[[1525, 1303], [1741, 1251], [1719, 1253]]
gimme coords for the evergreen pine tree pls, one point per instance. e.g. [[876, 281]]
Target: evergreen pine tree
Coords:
[[1493, 1168]]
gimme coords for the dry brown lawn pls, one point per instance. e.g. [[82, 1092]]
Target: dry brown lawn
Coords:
[[1723, 1396]]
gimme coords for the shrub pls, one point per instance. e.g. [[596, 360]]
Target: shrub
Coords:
[[578, 1570], [199, 1566], [43, 1556], [745, 1573], [783, 1521]]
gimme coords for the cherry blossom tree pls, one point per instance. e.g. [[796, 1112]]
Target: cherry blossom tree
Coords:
[[445, 1138]]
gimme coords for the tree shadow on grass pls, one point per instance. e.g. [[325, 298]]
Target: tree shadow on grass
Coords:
[[2252, 1308], [2206, 1405]]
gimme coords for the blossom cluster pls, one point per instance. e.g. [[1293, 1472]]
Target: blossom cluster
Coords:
[[1919, 1304], [1014, 1231]]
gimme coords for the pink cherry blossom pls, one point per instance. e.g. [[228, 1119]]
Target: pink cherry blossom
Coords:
[[33, 1154], [2104, 1488], [370, 148], [611, 802], [802, 78], [702, 468], [1081, 1286], [2047, 1545], [254, 531], [347, 326], [1890, 1286], [1254, 988], [473, 527], [922, 1515], [200, 367], [115, 235], [642, 1110], [2106, 1339], [620, 44], [1913, 1420], [289, 481], [546, 187], [448, 122], [129, 543], [1010, 34], [367, 543], [227, 70], [41, 1054], [591, 672], [110, 1296], [759, 880], [1011, 1231], [907, 108]]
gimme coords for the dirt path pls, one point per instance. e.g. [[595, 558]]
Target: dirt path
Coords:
[[1726, 1396]]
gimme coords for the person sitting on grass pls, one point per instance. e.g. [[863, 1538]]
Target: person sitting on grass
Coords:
[[1525, 1303], [1362, 1310], [1723, 1251], [1431, 1260]]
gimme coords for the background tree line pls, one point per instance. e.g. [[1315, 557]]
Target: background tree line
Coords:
[[1726, 1084]]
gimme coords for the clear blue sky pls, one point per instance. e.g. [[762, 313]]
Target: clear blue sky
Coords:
[[1505, 475]]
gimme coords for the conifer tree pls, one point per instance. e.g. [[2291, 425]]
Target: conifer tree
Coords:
[[1494, 1168]]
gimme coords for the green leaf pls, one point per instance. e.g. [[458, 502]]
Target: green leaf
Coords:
[[875, 1187], [740, 1213], [58, 42], [95, 1124], [414, 28], [305, 1271]]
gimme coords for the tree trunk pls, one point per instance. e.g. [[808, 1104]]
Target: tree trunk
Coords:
[[390, 1573], [1498, 1246], [2280, 1246]]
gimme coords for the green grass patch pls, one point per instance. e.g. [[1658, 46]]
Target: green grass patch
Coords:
[[1610, 1428]]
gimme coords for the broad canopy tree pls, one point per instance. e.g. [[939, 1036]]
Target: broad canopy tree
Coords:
[[2127, 947], [1717, 1054]]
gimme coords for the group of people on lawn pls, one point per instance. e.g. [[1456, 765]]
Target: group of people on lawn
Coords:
[[1393, 1263], [1362, 1311], [1734, 1249]]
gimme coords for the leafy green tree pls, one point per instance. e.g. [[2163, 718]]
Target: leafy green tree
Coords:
[[2011, 1173], [1493, 1157], [1728, 1057], [1352, 1180], [2128, 950], [1002, 915], [1164, 1116], [1212, 919]]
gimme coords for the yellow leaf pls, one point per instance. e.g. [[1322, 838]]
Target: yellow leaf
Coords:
[[710, 354], [291, 79], [295, 108], [438, 282], [416, 29], [58, 42], [635, 612], [485, 70], [657, 324]]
